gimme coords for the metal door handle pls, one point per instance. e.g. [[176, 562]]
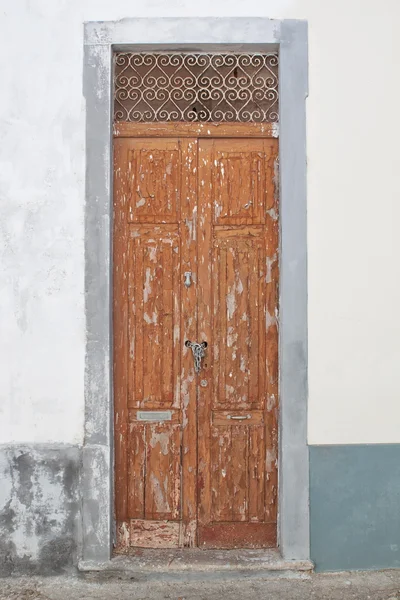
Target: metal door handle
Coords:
[[198, 351]]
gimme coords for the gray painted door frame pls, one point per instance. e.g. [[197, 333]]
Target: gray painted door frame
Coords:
[[101, 38]]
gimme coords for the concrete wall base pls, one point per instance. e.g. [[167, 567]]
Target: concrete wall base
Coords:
[[39, 509]]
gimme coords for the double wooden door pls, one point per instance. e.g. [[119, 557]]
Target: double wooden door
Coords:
[[195, 260]]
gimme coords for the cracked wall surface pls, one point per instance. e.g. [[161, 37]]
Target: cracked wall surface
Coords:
[[39, 508]]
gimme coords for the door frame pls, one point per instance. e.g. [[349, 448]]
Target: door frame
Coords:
[[290, 37]]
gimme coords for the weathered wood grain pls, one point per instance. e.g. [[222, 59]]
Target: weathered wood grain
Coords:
[[238, 278], [208, 475], [196, 130]]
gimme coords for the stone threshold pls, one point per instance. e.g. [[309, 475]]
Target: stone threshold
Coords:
[[145, 564]]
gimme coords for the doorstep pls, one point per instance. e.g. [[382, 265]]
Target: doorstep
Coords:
[[144, 564]]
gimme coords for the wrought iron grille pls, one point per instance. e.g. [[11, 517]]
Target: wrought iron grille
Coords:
[[171, 86]]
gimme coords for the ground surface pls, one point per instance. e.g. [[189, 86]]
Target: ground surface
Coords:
[[379, 585]]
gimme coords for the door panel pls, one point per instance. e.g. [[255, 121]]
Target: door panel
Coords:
[[154, 173], [154, 389], [238, 277], [154, 471], [238, 197], [239, 352], [154, 318]]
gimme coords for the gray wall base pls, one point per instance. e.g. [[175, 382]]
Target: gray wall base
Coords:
[[354, 496], [355, 507], [97, 543], [39, 509]]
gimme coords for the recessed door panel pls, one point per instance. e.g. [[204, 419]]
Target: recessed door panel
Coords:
[[154, 318], [154, 182], [238, 301]]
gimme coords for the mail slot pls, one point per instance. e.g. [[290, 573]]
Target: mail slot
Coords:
[[154, 415]]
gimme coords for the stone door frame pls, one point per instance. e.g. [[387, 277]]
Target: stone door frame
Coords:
[[290, 38]]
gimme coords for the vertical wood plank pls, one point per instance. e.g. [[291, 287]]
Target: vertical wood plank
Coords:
[[204, 297], [254, 340], [120, 327], [139, 360], [131, 384], [221, 474], [271, 291], [166, 317], [221, 272], [176, 346], [256, 473], [230, 308], [242, 325], [216, 316], [188, 331], [240, 482], [259, 297], [136, 470]]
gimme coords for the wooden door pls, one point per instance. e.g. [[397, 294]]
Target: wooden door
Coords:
[[237, 295], [154, 313], [195, 454]]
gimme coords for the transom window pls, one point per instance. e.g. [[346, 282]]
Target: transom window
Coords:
[[173, 86]]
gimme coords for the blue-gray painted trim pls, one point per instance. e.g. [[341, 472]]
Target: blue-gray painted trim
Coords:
[[290, 37], [355, 506]]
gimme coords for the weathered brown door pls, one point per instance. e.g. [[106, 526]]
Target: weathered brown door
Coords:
[[237, 295], [154, 313], [195, 259]]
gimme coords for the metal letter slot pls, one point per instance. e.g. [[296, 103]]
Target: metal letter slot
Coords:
[[239, 417], [154, 415]]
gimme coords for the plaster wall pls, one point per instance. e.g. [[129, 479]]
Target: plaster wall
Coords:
[[353, 178], [39, 508]]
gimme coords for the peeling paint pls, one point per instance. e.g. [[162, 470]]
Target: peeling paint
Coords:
[[147, 286]]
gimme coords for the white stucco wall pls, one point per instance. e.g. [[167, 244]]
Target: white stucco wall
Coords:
[[353, 183]]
